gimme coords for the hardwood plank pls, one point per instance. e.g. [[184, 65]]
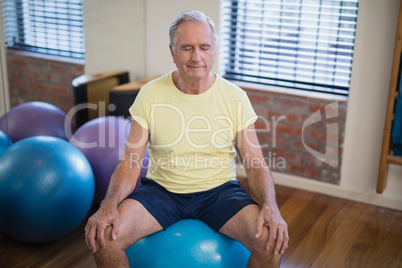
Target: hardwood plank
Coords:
[[343, 229], [283, 194], [70, 251], [301, 213], [389, 253], [295, 205], [379, 244], [315, 239]]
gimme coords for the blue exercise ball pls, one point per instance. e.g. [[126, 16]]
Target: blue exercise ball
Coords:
[[5, 142], [188, 243], [46, 189], [36, 118]]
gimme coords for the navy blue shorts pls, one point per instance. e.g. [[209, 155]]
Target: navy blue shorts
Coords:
[[214, 207]]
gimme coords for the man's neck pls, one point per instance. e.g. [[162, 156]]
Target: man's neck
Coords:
[[191, 86]]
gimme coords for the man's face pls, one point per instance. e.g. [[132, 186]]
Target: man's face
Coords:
[[195, 51]]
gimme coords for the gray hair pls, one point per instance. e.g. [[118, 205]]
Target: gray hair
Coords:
[[191, 16]]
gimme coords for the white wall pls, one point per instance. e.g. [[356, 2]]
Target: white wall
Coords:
[[159, 16], [114, 36], [4, 97], [133, 35]]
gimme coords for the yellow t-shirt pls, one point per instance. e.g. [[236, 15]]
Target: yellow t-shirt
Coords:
[[191, 143]]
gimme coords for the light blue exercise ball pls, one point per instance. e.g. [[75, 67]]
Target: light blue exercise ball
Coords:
[[46, 189], [188, 243], [5, 142]]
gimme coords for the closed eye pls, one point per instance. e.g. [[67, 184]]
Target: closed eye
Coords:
[[205, 47], [187, 48]]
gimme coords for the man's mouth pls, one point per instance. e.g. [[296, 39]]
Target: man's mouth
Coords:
[[195, 67]]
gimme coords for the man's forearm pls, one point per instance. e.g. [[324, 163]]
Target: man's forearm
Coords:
[[262, 185], [122, 183]]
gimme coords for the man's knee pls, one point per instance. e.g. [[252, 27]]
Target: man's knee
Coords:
[[259, 250], [110, 243], [113, 255]]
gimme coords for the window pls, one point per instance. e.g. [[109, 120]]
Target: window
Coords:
[[304, 44], [51, 27]]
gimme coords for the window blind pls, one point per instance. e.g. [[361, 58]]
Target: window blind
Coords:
[[51, 27], [305, 44]]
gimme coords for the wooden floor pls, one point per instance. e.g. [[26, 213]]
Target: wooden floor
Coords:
[[324, 232]]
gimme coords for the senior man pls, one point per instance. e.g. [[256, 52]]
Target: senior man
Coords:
[[192, 118]]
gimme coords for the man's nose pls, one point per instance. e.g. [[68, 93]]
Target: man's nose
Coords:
[[197, 55]]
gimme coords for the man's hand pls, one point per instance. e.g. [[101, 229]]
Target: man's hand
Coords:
[[95, 228], [278, 229]]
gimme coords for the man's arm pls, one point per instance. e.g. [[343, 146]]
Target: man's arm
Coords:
[[262, 186], [122, 183]]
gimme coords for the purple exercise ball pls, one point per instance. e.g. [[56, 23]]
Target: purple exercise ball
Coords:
[[35, 119], [102, 140]]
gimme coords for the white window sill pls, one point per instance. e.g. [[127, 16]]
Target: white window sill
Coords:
[[290, 91], [46, 56]]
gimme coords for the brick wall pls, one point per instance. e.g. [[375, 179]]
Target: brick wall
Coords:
[[38, 77], [299, 135]]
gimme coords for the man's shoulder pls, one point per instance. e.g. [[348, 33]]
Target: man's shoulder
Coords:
[[229, 87], [155, 83], [155, 87]]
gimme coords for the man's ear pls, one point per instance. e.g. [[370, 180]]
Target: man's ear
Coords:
[[172, 53]]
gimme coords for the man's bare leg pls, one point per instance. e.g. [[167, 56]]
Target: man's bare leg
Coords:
[[136, 223], [242, 227]]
